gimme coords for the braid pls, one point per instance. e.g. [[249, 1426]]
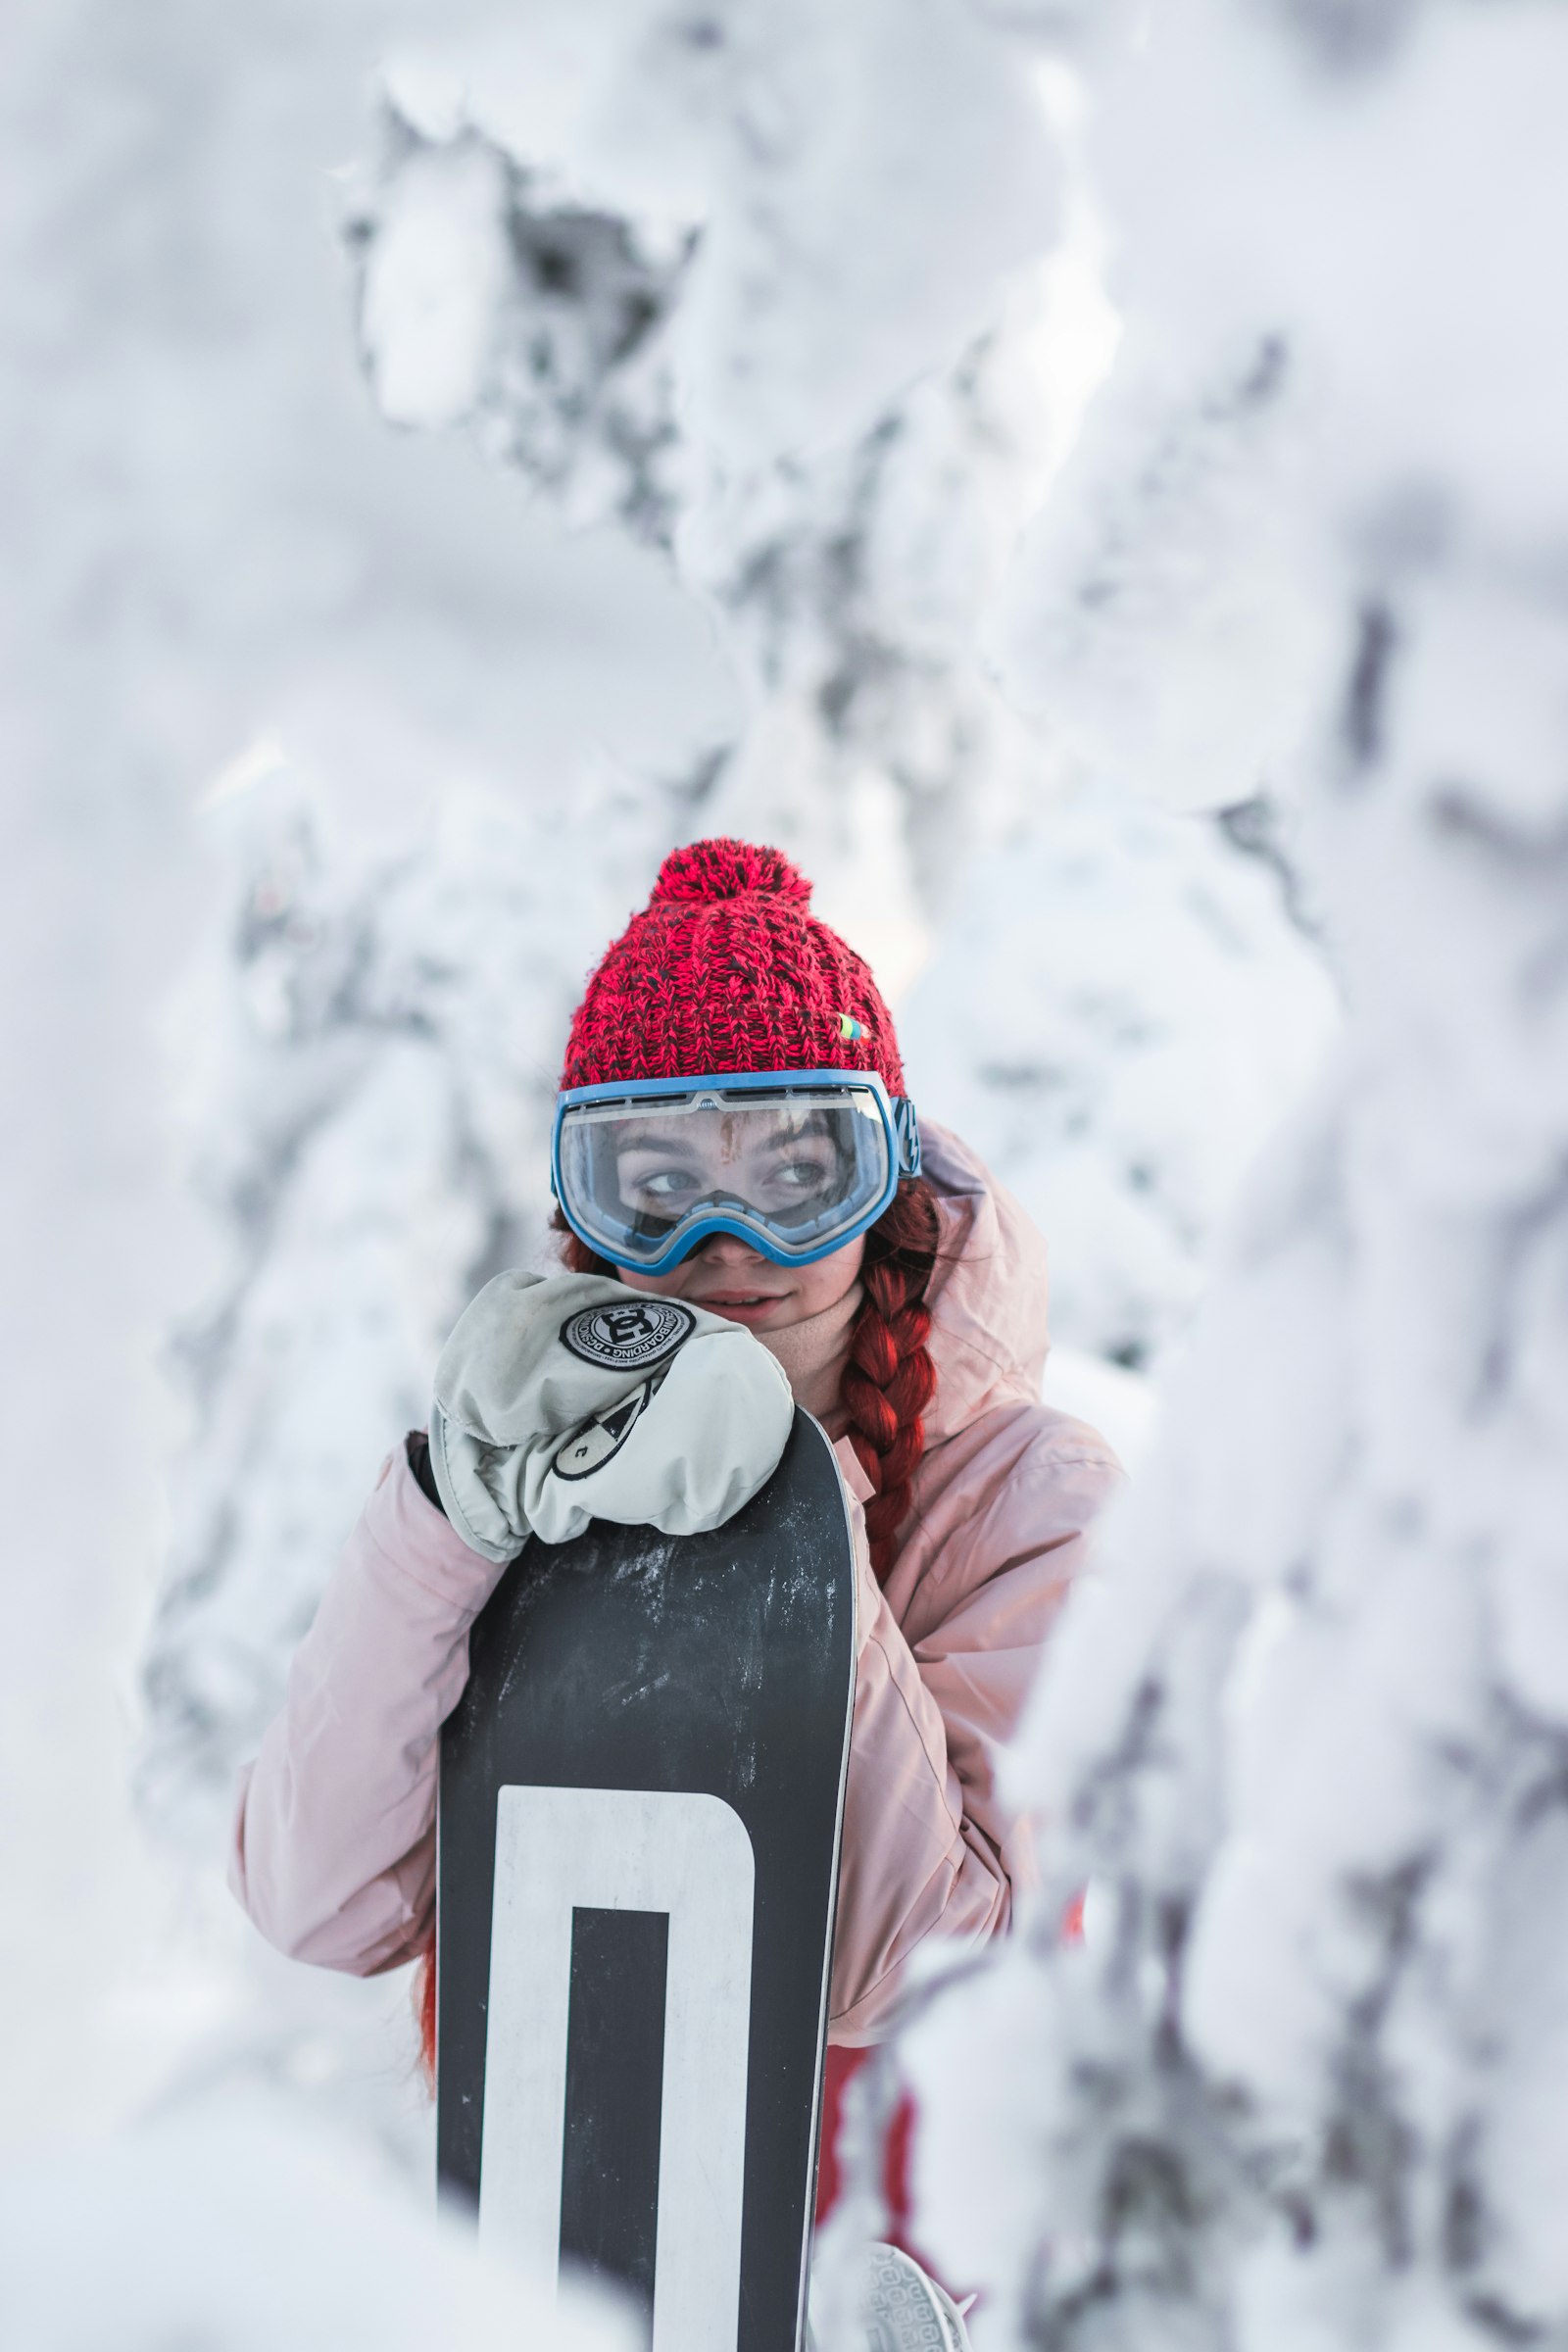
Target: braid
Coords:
[[424, 2008], [890, 1378]]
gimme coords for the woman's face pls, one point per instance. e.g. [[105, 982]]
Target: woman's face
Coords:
[[731, 1279], [775, 1166]]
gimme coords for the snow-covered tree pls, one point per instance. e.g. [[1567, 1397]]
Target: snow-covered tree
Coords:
[[672, 271], [764, 284], [1305, 2088], [1116, 1016]]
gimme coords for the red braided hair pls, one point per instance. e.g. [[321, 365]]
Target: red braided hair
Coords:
[[888, 1383], [425, 2007], [890, 1378]]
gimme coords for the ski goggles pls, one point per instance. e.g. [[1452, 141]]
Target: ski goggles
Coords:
[[796, 1162]]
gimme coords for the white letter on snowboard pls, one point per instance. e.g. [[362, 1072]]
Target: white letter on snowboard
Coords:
[[623, 1849]]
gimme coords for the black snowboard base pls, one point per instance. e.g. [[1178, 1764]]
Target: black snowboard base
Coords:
[[641, 1797]]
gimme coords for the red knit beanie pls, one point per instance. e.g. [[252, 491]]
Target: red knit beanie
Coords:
[[726, 969]]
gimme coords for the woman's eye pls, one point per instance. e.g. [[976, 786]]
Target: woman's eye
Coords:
[[666, 1184], [800, 1175]]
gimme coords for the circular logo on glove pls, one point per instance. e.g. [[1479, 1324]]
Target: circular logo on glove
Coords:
[[627, 1338]]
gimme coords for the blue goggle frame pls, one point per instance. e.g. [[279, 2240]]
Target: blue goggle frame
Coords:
[[898, 1121]]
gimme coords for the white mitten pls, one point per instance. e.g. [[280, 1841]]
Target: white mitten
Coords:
[[568, 1398]]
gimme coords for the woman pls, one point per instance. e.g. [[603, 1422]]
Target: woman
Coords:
[[903, 1296]]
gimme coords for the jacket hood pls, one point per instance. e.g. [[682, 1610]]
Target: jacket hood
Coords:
[[987, 1294]]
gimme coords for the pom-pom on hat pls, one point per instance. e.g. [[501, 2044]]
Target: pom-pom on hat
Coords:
[[726, 969]]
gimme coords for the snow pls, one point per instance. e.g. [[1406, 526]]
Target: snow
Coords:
[[1120, 1404], [241, 2232], [213, 545], [1303, 2087], [430, 293], [754, 313], [1177, 518], [845, 191], [1116, 1018], [828, 159], [338, 760]]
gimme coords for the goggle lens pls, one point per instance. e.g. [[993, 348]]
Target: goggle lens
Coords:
[[794, 1168]]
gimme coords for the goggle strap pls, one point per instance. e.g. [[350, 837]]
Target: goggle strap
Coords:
[[907, 1129]]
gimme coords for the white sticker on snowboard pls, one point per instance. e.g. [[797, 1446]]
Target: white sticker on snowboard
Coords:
[[623, 1849]]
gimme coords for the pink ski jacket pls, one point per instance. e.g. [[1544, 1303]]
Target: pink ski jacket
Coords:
[[335, 1842]]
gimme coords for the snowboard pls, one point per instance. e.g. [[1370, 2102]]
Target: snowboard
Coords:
[[641, 1797]]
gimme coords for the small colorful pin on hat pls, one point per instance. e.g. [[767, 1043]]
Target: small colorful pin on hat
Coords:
[[850, 1031]]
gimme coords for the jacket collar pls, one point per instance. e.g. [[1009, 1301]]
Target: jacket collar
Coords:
[[988, 1294]]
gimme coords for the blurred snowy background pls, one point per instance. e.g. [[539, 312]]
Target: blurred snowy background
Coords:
[[212, 546], [452, 458]]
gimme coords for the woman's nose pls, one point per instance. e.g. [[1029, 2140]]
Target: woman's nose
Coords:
[[728, 1250]]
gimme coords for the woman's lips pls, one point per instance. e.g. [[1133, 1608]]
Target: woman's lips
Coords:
[[741, 1306]]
